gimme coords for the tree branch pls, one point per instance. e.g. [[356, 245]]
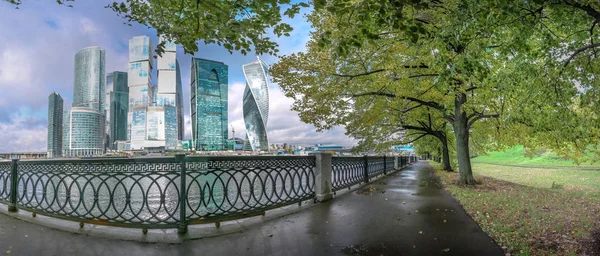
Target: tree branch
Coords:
[[481, 116], [362, 74], [578, 51]]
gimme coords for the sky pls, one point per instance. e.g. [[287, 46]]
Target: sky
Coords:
[[37, 50]]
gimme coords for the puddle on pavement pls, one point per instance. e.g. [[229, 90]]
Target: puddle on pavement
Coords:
[[380, 249], [370, 190]]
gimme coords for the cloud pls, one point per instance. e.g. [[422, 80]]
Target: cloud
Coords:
[[23, 133]]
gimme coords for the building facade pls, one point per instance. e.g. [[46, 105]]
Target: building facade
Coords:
[[256, 105], [84, 132], [84, 125], [139, 79], [89, 79], [209, 110], [118, 108], [55, 125], [168, 93]]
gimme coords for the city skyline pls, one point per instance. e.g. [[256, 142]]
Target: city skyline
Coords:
[[23, 120]]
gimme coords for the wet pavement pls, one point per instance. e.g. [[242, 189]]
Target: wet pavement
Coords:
[[406, 213]]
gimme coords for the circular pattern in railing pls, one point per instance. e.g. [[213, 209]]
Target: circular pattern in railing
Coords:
[[5, 168], [221, 188], [123, 194], [347, 171]]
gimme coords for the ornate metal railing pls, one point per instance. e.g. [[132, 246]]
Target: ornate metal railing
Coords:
[[5, 169], [221, 186], [120, 192], [169, 192], [347, 171], [389, 164], [376, 166]]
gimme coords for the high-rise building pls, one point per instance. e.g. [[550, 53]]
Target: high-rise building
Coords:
[[118, 107], [168, 92], [256, 105], [84, 125], [140, 94], [55, 125], [208, 88], [84, 132], [89, 79]]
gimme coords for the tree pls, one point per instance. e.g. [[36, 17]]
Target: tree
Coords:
[[383, 70], [237, 25]]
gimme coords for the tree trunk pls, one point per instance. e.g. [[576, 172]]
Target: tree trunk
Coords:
[[446, 155], [461, 131]]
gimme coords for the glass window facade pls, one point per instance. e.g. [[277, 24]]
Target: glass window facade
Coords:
[[209, 108], [55, 125], [84, 125], [119, 107], [89, 79], [256, 105], [86, 132]]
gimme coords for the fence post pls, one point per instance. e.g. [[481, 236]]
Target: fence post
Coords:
[[366, 162], [14, 180], [182, 226], [323, 181], [384, 165]]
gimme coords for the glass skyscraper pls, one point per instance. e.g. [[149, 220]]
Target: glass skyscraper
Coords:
[[256, 105], [140, 95], [168, 93], [55, 125], [84, 125], [118, 107], [209, 104]]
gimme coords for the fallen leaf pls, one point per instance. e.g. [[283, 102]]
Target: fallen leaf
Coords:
[[420, 232], [8, 252], [404, 202], [446, 250], [444, 221], [416, 210]]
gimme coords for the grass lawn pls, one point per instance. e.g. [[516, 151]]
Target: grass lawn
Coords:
[[519, 208], [515, 155]]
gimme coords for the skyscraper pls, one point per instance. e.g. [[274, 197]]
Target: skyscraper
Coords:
[[139, 82], [55, 125], [118, 107], [209, 104], [169, 93], [256, 105], [84, 125]]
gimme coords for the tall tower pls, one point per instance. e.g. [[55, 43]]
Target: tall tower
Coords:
[[256, 105], [55, 125], [169, 94], [84, 125], [118, 107], [208, 101], [139, 82]]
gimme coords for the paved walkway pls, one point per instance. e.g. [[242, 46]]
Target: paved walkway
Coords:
[[407, 213]]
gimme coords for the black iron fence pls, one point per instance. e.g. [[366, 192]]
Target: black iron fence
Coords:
[[172, 192]]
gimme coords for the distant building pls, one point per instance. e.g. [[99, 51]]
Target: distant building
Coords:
[[236, 143], [117, 108], [256, 105], [55, 125], [84, 125], [208, 87]]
